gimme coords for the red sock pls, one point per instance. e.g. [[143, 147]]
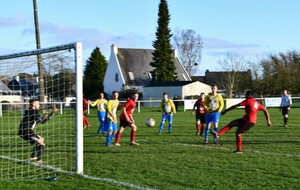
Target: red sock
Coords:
[[224, 129], [202, 129], [118, 136], [239, 140], [85, 121], [198, 127], [132, 135]]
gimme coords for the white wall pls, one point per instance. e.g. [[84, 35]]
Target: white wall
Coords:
[[113, 68]]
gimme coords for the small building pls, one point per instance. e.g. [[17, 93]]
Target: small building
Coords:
[[130, 68]]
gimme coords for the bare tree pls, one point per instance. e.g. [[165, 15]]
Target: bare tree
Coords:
[[235, 74], [189, 46]]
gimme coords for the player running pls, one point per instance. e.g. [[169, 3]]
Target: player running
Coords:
[[200, 114], [126, 119], [245, 123]]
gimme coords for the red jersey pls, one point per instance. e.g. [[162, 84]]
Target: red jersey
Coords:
[[129, 105], [200, 109], [85, 103], [252, 106]]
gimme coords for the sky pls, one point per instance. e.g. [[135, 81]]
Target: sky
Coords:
[[249, 28]]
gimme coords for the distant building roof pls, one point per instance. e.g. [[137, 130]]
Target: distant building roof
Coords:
[[173, 83]]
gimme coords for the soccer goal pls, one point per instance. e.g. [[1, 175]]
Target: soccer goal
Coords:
[[54, 76]]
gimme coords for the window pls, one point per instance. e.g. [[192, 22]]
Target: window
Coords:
[[116, 77], [131, 76]]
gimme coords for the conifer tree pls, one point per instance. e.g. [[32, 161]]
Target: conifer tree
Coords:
[[94, 73], [163, 62]]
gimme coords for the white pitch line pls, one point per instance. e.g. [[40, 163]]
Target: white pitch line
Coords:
[[253, 151], [73, 173]]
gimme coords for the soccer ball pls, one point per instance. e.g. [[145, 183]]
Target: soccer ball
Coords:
[[150, 122]]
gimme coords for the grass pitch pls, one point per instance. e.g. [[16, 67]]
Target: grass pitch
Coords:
[[180, 160]]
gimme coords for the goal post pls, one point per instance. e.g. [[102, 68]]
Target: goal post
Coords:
[[63, 133]]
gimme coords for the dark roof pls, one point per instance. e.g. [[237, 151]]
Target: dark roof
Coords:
[[137, 61], [173, 83]]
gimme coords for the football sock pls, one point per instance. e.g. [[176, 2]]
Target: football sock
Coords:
[[239, 140], [285, 120], [111, 137], [224, 129], [108, 139], [40, 149], [161, 127], [170, 127], [206, 134], [215, 129], [198, 127], [202, 129], [132, 135], [118, 136]]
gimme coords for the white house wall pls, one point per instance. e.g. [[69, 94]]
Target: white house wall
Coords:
[[195, 88], [113, 68]]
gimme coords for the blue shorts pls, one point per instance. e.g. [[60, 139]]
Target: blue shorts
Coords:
[[102, 116], [168, 117], [212, 117], [110, 126]]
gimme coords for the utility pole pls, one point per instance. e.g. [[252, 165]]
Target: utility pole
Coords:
[[39, 56]]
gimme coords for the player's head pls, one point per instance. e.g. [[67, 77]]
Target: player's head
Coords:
[[202, 95], [249, 94], [115, 95], [34, 103], [214, 88], [165, 95], [135, 96], [101, 95], [285, 92]]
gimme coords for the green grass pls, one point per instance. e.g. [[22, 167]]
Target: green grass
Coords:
[[180, 160]]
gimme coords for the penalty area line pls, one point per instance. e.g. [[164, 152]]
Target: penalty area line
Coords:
[[73, 173], [251, 151]]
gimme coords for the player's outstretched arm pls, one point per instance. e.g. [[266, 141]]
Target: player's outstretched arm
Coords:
[[267, 115]]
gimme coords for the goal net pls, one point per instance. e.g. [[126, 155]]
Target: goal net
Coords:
[[53, 76]]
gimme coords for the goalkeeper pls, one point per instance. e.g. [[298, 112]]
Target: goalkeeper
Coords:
[[30, 118]]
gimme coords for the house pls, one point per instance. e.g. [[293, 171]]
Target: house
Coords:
[[242, 79], [130, 68]]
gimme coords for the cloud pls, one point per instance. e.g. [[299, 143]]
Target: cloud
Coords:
[[54, 34], [213, 43], [13, 21]]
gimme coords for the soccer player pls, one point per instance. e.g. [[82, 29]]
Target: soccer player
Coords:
[[214, 103], [245, 123], [200, 114], [168, 109], [30, 118], [85, 109], [101, 103], [285, 106], [126, 119], [111, 126]]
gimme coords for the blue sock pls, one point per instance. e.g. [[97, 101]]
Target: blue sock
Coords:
[[170, 127], [206, 134], [161, 127], [108, 139], [215, 129], [111, 137], [99, 129]]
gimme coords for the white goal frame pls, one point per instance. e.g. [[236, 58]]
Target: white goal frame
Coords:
[[77, 46]]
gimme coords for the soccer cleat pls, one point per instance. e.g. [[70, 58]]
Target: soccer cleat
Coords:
[[214, 133], [285, 126], [197, 133], [206, 142], [117, 144], [215, 142], [134, 143], [238, 152], [39, 161], [109, 145], [33, 158]]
